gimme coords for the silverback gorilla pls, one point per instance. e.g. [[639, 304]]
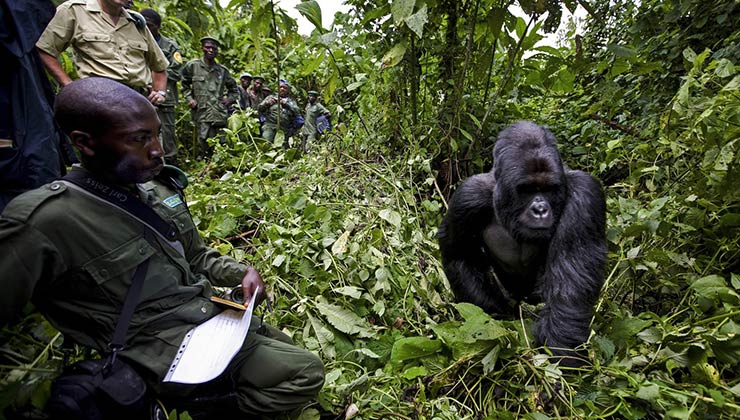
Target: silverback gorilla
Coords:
[[533, 230]]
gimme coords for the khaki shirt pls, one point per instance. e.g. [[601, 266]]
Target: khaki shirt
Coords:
[[74, 256], [208, 85], [121, 52]]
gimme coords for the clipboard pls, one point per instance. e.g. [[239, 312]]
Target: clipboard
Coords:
[[207, 349]]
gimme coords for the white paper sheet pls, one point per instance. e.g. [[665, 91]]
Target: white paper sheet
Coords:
[[208, 348]]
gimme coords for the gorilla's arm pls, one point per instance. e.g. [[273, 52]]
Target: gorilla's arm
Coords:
[[461, 244], [575, 267]]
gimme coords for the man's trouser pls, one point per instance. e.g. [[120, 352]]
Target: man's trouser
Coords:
[[269, 375], [208, 130], [269, 131], [167, 133]]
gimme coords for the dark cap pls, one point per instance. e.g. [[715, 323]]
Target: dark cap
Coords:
[[209, 38], [313, 92]]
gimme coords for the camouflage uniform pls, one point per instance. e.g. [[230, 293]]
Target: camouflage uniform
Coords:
[[208, 85], [166, 110], [285, 113], [73, 255], [313, 111]]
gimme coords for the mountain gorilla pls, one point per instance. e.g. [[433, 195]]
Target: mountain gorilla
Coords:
[[533, 230]]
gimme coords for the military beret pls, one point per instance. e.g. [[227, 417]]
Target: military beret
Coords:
[[209, 38], [313, 92], [283, 82], [243, 75]]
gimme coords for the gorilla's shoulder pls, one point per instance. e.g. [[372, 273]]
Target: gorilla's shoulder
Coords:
[[586, 190], [485, 181]]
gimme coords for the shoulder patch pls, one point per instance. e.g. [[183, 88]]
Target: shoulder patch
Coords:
[[172, 201], [21, 207], [177, 57]]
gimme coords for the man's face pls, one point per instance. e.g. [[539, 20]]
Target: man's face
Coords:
[[129, 151], [153, 26], [312, 98], [283, 90], [210, 50], [245, 81], [257, 84]]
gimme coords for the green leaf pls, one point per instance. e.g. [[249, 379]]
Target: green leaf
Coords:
[[311, 10], [390, 216], [624, 330], [340, 245], [345, 320], [622, 51], [416, 21], [409, 348], [414, 372], [351, 291], [726, 349], [394, 55], [490, 359], [401, 9], [309, 414], [725, 68], [325, 337], [649, 392], [713, 287]]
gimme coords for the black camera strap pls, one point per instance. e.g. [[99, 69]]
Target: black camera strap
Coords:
[[123, 199], [117, 342]]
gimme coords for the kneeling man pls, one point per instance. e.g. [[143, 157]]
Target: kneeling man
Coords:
[[73, 254]]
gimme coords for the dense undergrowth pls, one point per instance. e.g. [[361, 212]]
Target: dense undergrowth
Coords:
[[345, 235]]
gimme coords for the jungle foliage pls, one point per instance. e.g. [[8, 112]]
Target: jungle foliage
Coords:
[[643, 94]]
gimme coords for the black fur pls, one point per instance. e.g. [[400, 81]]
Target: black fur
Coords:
[[540, 227]]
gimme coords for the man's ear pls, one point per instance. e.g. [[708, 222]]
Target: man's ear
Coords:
[[83, 142]]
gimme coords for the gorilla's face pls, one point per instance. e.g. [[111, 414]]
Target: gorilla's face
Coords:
[[530, 190], [539, 211]]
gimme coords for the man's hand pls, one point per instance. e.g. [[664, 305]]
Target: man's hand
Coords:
[[155, 98], [193, 104], [251, 283]]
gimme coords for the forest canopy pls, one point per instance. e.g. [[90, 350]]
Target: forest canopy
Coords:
[[644, 95]]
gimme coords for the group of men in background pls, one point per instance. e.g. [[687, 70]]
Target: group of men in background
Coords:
[[139, 59]]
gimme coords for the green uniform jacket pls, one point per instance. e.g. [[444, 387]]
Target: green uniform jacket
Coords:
[[172, 53], [313, 111], [74, 256], [255, 98], [122, 52], [208, 85], [288, 111]]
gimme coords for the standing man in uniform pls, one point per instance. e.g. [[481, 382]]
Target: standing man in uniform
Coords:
[[209, 89], [314, 110], [280, 112], [244, 81], [166, 110], [257, 92], [108, 41], [73, 253]]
